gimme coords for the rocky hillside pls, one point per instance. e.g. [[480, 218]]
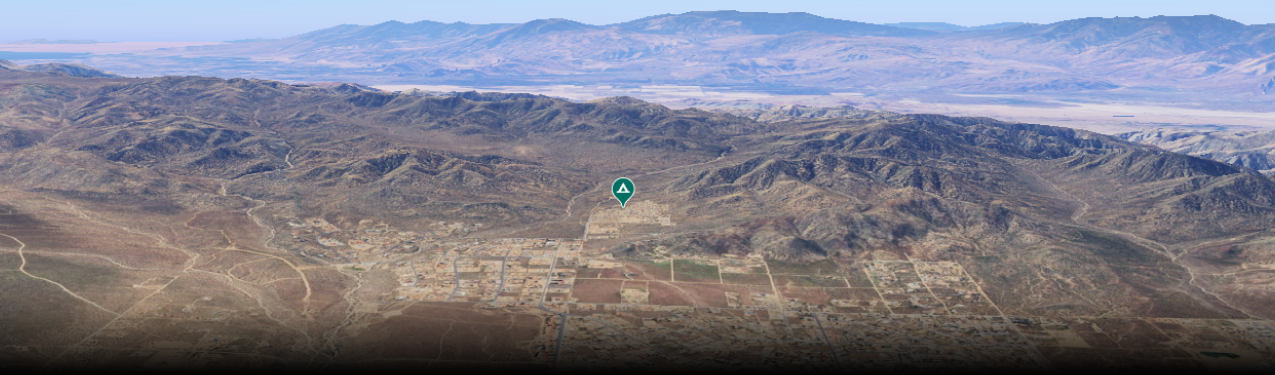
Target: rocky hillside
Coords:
[[1251, 149], [243, 205], [803, 186]]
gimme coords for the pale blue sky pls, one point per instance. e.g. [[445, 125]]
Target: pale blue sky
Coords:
[[237, 19]]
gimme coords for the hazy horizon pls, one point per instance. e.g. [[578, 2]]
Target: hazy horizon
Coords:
[[237, 19]]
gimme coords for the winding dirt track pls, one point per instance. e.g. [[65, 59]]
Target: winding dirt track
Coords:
[[23, 268], [1077, 218]]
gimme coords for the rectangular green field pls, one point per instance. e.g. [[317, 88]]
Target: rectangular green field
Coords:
[[686, 270], [746, 279], [830, 281], [824, 267]]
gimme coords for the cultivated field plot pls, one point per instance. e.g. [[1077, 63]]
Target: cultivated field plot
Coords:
[[434, 300], [190, 224]]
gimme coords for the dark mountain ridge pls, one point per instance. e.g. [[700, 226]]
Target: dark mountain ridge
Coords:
[[726, 22], [74, 70]]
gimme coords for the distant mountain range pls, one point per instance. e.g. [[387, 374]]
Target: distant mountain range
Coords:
[[74, 70], [1255, 150], [944, 26], [727, 48]]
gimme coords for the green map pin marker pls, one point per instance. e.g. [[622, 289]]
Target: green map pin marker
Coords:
[[622, 189]]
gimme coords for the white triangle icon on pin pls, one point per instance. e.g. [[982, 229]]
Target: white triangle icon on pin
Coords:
[[623, 189]]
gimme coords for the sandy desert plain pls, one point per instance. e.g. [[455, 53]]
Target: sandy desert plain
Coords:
[[1079, 111]]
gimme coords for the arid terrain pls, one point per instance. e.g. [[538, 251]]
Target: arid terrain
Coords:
[[1108, 112], [189, 223], [1109, 75], [1251, 149], [790, 51]]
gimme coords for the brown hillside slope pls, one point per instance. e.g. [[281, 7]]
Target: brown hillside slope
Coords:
[[141, 195]]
